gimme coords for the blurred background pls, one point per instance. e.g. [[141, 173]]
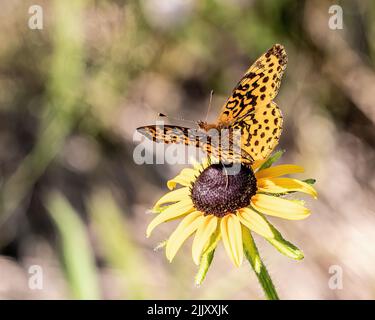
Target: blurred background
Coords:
[[73, 202]]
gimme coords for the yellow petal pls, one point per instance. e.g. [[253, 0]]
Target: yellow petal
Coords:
[[174, 211], [193, 161], [281, 185], [255, 222], [231, 233], [186, 227], [204, 232], [173, 196], [199, 166], [278, 207], [277, 171], [184, 178]]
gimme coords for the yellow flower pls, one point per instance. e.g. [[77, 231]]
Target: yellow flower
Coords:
[[211, 201]]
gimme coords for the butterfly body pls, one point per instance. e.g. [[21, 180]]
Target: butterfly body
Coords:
[[250, 123], [205, 126]]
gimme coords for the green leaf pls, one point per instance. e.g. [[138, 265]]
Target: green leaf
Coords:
[[114, 234], [269, 162], [158, 209], [207, 258], [252, 255], [77, 254], [64, 87]]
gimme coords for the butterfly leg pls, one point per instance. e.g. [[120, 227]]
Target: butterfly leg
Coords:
[[226, 177]]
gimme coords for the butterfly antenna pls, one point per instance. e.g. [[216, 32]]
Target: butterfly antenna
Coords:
[[162, 115], [226, 176], [209, 104]]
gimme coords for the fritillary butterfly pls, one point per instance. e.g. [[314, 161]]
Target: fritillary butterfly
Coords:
[[249, 109]]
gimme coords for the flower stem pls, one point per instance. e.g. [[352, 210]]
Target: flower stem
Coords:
[[267, 285], [252, 255]]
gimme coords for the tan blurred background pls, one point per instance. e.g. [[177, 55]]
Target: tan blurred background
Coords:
[[73, 202]]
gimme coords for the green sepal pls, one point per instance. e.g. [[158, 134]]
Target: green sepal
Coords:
[[310, 181], [207, 257], [283, 246], [269, 162], [158, 209]]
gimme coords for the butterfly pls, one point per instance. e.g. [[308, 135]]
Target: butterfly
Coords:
[[250, 110]]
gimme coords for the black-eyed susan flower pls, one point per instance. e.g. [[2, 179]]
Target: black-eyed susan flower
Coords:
[[215, 205]]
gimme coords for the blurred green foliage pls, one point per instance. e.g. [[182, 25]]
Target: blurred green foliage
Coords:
[[77, 255], [118, 247]]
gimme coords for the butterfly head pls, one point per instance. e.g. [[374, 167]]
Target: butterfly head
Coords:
[[206, 126]]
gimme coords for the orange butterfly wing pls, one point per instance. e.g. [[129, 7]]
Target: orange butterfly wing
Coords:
[[258, 87]]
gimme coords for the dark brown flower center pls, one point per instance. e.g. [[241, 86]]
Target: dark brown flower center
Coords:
[[216, 191]]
